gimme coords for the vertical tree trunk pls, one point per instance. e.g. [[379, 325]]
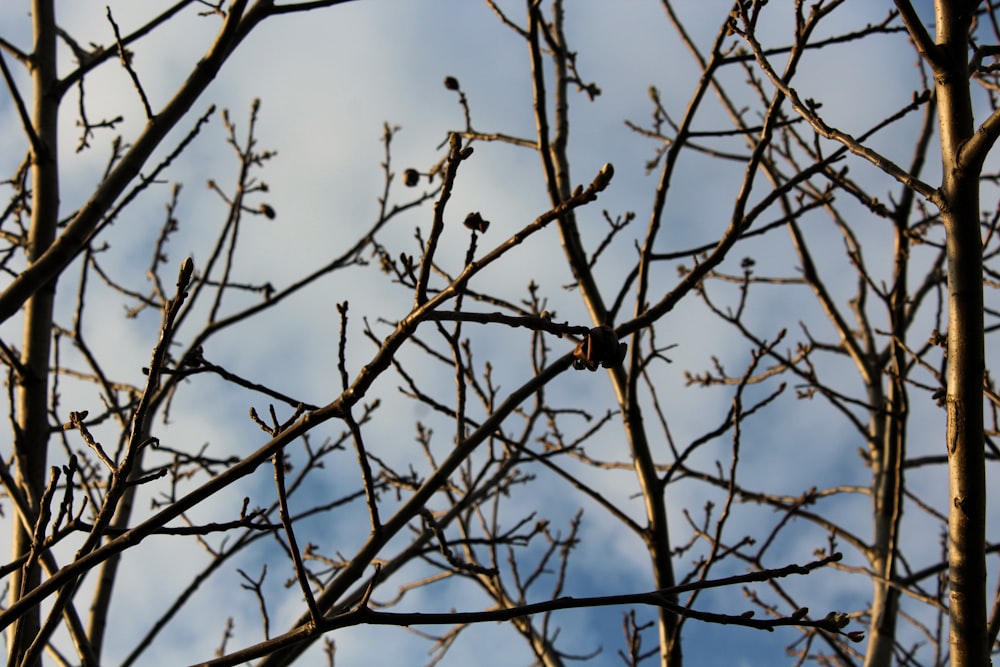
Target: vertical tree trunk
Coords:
[[966, 363], [887, 472], [32, 395], [966, 460], [888, 423]]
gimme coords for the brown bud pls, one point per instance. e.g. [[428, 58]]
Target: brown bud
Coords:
[[604, 176], [267, 211], [411, 177], [451, 83], [475, 222], [600, 347], [184, 275]]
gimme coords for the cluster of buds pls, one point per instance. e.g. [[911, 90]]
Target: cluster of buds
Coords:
[[600, 347]]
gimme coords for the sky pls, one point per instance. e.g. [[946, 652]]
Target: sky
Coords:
[[329, 82]]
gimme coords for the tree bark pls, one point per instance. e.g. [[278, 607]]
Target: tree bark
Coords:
[[31, 440], [966, 360]]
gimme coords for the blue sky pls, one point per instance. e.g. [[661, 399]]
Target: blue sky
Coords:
[[328, 81]]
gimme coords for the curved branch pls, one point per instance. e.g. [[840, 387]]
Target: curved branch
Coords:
[[973, 153]]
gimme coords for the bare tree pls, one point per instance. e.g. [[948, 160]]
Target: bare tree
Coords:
[[847, 266]]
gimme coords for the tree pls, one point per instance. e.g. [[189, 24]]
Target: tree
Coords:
[[430, 442]]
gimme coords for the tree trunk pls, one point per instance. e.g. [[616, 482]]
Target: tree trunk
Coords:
[[966, 362], [31, 440]]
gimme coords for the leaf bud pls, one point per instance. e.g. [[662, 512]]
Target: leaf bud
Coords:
[[604, 176], [600, 347], [411, 177], [184, 275], [476, 223]]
